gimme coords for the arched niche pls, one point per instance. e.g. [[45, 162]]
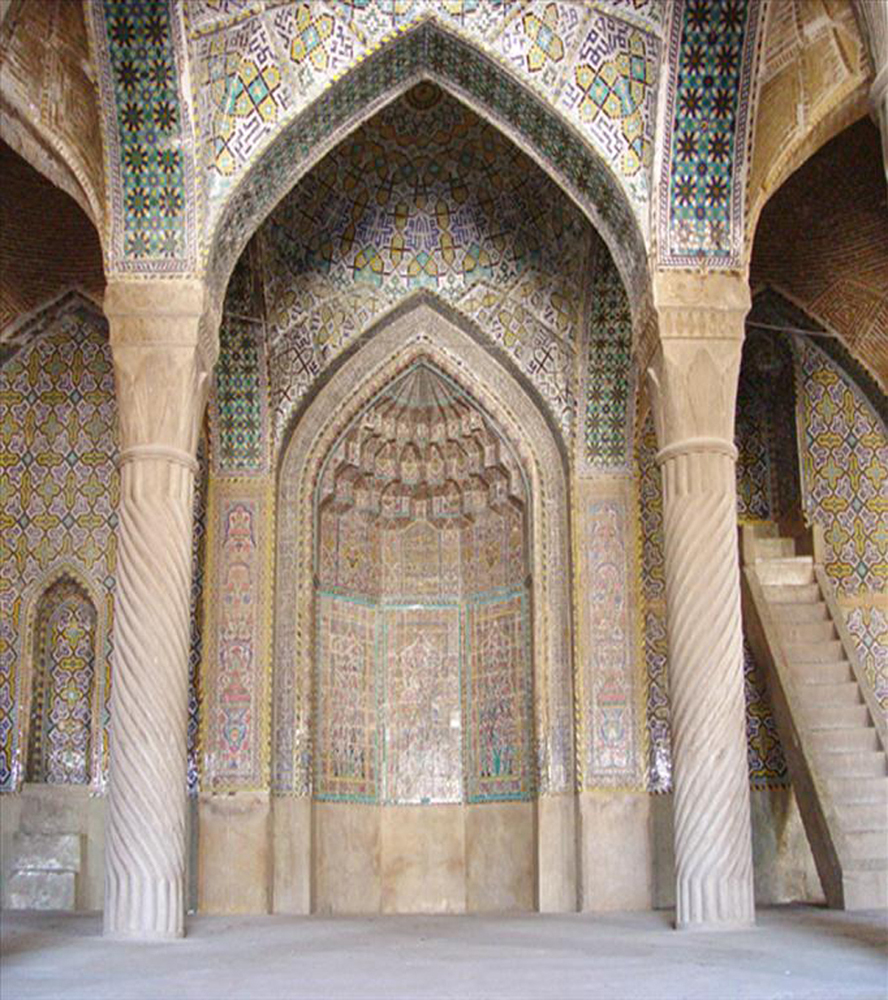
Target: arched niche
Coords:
[[60, 687], [420, 333], [429, 52]]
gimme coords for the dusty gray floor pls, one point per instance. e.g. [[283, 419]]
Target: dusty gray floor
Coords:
[[794, 952]]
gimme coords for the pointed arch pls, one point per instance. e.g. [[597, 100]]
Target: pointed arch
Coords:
[[32, 605], [407, 336], [430, 52]]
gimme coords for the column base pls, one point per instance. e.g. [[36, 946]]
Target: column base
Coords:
[[714, 926], [146, 937]]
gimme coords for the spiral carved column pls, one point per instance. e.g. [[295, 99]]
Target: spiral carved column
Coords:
[[160, 380], [694, 381]]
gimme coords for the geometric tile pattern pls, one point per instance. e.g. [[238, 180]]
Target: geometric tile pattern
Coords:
[[239, 409], [610, 93], [426, 48], [765, 433], [426, 196], [764, 752], [845, 471], [712, 48], [869, 626], [198, 565], [59, 488], [59, 751], [606, 384], [256, 70], [148, 135], [653, 586]]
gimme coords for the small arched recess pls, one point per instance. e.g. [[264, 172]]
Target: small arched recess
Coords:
[[59, 698]]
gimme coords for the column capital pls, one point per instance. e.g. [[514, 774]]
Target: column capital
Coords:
[[161, 367], [693, 306], [694, 372]]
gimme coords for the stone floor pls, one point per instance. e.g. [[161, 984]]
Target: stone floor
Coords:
[[795, 951]]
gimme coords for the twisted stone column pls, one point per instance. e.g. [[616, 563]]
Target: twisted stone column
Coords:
[[694, 383], [161, 391]]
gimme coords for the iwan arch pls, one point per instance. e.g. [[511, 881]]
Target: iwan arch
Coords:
[[436, 305]]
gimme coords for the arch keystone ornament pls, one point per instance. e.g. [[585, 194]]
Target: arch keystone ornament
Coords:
[[161, 384], [693, 386]]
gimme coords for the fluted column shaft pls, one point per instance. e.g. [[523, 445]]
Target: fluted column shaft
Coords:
[[160, 377], [694, 382]]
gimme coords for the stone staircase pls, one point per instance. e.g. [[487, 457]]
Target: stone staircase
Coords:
[[832, 729], [46, 861]]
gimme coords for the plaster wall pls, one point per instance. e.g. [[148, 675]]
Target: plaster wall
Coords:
[[50, 809]]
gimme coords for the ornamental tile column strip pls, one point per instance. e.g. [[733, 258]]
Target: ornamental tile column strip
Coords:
[[161, 383], [694, 387]]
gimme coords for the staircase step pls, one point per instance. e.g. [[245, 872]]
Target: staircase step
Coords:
[[821, 716], [796, 570], [837, 695], [787, 612], [853, 764], [847, 791], [864, 817], [817, 631], [782, 593], [774, 548], [814, 652], [860, 738], [822, 673], [40, 890], [867, 843], [47, 852]]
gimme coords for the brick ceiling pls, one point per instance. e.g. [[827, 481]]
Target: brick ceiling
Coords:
[[823, 242], [47, 243]]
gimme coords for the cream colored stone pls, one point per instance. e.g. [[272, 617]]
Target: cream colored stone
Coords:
[[782, 858], [423, 866], [161, 380], [694, 388], [234, 853], [616, 851], [500, 862], [346, 853], [47, 810], [291, 847], [557, 890]]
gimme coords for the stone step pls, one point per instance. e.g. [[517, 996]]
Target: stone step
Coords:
[[788, 612], [795, 571], [47, 852], [865, 888], [774, 548], [777, 594], [867, 843], [819, 717], [835, 695], [814, 652], [864, 817], [822, 673], [858, 791], [860, 738], [807, 631], [40, 890], [853, 764]]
